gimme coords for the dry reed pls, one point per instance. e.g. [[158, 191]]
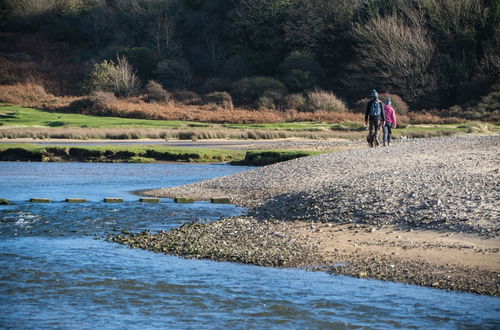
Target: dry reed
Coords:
[[80, 133]]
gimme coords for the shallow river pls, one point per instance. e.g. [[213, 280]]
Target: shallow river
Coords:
[[57, 271]]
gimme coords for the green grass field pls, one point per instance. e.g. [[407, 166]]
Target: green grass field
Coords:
[[17, 116], [15, 120], [20, 116]]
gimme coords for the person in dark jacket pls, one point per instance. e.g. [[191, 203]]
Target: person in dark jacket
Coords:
[[374, 118]]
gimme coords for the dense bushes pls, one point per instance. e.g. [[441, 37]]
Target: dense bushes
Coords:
[[187, 97], [97, 103], [295, 102], [174, 74], [156, 93], [222, 99], [26, 94], [249, 90], [397, 52]]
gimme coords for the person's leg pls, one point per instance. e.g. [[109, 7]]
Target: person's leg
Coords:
[[385, 131], [371, 132], [389, 134], [376, 124]]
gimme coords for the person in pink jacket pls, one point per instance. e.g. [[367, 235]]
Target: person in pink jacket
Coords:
[[390, 122]]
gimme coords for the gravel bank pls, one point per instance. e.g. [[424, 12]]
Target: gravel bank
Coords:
[[238, 239], [444, 186], [441, 183]]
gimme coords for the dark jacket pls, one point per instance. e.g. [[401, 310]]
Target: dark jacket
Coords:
[[368, 107]]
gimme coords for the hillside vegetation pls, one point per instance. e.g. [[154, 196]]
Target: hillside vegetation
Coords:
[[270, 55]]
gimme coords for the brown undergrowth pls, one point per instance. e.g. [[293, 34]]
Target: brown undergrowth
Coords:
[[32, 94]]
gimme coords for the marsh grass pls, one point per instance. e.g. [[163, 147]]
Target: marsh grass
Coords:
[[478, 127], [166, 134], [21, 122], [135, 154]]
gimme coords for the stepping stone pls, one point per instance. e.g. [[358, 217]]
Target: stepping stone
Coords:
[[39, 200], [113, 200], [149, 200], [75, 200], [183, 200], [220, 200]]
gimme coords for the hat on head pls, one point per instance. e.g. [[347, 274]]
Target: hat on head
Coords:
[[374, 93], [388, 101]]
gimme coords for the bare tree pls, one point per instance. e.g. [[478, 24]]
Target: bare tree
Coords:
[[396, 52], [216, 52], [450, 17], [23, 8], [163, 29], [124, 78]]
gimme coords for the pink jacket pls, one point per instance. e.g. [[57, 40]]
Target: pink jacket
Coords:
[[390, 115]]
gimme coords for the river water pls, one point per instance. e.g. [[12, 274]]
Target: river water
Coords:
[[57, 271]]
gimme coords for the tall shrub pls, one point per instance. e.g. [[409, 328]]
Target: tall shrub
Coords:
[[320, 100], [100, 77], [398, 104], [222, 99], [156, 93]]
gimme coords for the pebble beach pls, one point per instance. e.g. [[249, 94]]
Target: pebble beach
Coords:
[[422, 211]]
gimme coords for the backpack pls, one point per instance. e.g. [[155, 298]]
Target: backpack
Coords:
[[375, 108]]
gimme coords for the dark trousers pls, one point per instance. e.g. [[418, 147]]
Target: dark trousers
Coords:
[[373, 129], [387, 129]]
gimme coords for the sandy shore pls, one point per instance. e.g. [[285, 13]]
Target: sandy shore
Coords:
[[421, 212]]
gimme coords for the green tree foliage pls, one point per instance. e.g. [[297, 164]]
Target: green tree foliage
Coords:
[[256, 30], [301, 72], [100, 78], [456, 26]]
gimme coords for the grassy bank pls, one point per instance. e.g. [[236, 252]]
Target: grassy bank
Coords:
[[26, 117], [20, 122], [134, 154], [143, 154]]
